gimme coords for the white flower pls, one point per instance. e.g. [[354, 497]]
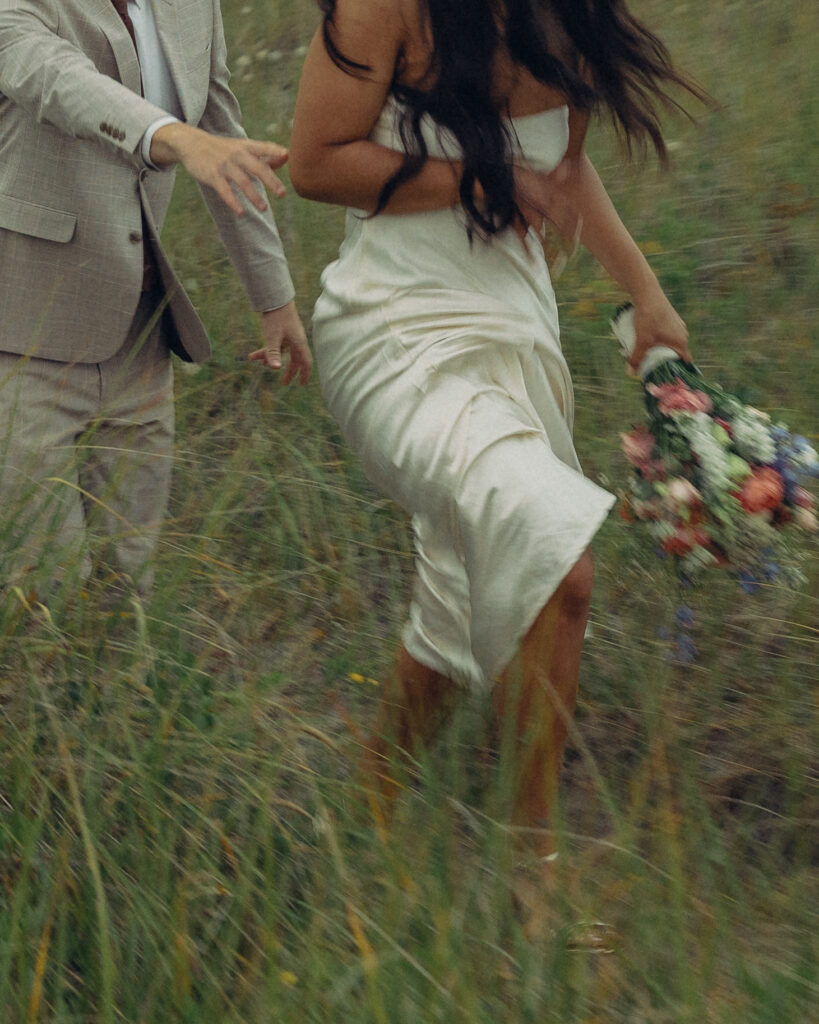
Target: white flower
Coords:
[[805, 456], [713, 459], [752, 439], [683, 492], [806, 519]]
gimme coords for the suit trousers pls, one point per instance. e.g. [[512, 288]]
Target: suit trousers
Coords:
[[86, 452]]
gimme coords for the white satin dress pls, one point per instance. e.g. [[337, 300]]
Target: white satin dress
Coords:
[[442, 363]]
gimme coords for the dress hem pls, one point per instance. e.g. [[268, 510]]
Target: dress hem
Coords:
[[482, 685]]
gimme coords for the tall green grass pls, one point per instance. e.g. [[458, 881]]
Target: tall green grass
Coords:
[[182, 834]]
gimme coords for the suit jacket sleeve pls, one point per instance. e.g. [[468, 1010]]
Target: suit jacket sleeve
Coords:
[[252, 241], [58, 84]]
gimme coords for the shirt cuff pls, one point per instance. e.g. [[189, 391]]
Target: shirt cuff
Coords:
[[148, 137]]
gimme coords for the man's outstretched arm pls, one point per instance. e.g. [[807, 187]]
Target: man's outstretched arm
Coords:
[[58, 84]]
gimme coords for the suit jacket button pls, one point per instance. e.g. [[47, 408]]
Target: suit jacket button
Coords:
[[135, 236]]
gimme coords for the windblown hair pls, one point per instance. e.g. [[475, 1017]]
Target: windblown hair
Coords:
[[617, 66]]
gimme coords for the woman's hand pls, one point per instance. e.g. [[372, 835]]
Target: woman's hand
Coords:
[[546, 199], [656, 322]]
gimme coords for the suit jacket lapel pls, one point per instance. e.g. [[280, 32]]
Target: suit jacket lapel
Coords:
[[103, 14], [167, 24]]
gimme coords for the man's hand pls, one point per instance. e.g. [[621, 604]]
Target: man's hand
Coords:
[[225, 164], [283, 332]]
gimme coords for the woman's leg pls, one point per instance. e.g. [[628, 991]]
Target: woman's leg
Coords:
[[534, 702], [535, 699], [415, 707]]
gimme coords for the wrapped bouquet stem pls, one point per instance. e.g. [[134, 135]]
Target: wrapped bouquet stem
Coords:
[[715, 481]]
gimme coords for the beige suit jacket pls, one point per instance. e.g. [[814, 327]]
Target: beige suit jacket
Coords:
[[73, 184]]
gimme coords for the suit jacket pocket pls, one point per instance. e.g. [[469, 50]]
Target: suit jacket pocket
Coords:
[[197, 56], [35, 220]]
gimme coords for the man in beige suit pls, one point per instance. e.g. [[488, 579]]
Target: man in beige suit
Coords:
[[99, 100]]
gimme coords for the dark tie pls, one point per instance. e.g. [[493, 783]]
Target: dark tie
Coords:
[[149, 271], [122, 10]]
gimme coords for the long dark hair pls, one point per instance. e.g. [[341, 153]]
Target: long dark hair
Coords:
[[614, 64]]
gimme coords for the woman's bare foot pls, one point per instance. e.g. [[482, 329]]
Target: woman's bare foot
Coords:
[[533, 890]]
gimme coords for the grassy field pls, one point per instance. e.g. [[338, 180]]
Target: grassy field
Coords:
[[182, 838]]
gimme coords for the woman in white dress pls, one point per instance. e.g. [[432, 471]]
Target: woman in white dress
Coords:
[[452, 131]]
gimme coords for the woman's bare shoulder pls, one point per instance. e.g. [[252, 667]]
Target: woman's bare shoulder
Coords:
[[417, 42], [389, 13], [371, 33]]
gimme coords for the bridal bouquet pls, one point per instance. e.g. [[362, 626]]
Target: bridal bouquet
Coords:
[[714, 480]]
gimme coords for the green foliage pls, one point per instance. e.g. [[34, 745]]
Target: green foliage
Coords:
[[182, 834]]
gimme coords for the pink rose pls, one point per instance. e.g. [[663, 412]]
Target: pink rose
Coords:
[[679, 398], [653, 470], [638, 445], [802, 498], [764, 489]]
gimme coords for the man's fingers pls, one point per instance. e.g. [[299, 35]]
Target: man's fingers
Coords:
[[245, 170], [301, 363], [277, 187], [243, 181], [228, 197], [259, 169], [271, 357], [236, 167], [272, 154]]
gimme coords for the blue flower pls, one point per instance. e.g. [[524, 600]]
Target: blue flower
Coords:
[[748, 582], [684, 616], [791, 481], [686, 652], [801, 444]]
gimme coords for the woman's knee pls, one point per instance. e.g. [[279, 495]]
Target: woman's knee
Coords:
[[576, 587]]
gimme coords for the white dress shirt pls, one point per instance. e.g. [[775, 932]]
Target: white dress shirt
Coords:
[[157, 83]]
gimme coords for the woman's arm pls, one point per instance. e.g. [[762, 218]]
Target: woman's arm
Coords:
[[574, 198], [331, 157], [656, 322]]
